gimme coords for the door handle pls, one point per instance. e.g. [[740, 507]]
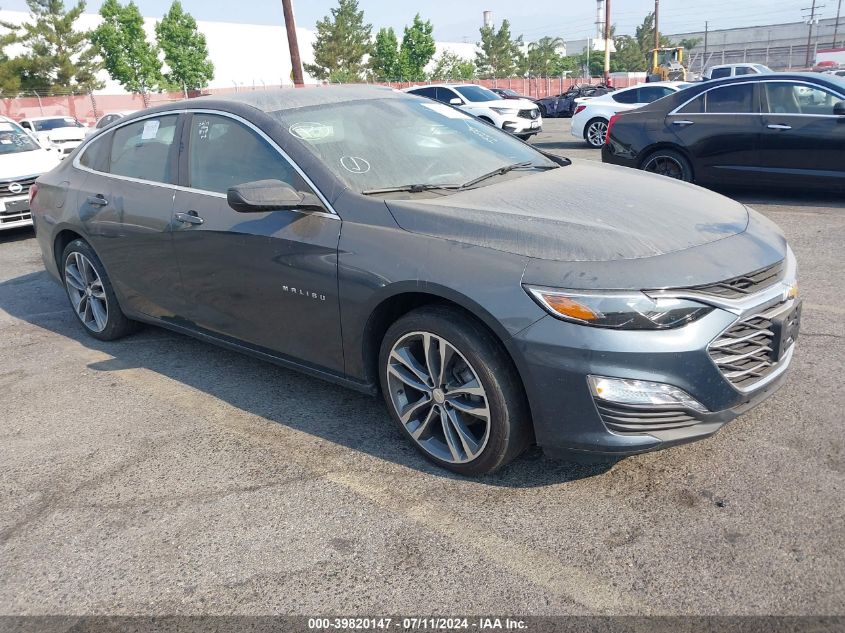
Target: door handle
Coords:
[[683, 123], [98, 201], [190, 217], [778, 126]]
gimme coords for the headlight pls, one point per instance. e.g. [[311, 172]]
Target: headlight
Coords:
[[790, 274], [505, 111], [629, 310]]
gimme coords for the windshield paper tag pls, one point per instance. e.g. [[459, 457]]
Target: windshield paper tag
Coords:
[[150, 130]]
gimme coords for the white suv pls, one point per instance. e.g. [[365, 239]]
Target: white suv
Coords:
[[732, 70], [520, 117]]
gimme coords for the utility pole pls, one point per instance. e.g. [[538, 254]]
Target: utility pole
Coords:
[[810, 21], [293, 45], [657, 23], [704, 57], [836, 24], [607, 42]]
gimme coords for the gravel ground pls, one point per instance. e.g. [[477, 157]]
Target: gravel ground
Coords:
[[161, 475]]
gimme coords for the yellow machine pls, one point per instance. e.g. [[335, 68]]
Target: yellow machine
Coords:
[[667, 64]]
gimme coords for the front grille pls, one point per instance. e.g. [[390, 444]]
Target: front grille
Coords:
[[25, 184], [743, 285], [629, 419], [14, 217], [744, 353], [533, 113]]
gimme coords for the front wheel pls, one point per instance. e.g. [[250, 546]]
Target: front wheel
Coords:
[[91, 294], [667, 162], [595, 132], [452, 390]]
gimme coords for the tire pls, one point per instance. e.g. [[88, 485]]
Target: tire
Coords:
[[595, 132], [91, 294], [670, 163], [468, 433]]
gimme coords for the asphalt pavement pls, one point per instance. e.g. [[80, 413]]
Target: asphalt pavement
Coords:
[[162, 475]]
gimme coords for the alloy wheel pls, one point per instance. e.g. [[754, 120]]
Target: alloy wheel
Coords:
[[86, 292], [596, 133], [438, 397], [665, 166]]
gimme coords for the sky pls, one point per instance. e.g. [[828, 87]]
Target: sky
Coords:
[[459, 20]]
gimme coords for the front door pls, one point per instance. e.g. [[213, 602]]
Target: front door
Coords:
[[721, 129], [801, 137], [268, 279]]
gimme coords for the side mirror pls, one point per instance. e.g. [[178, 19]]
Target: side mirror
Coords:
[[270, 195], [456, 101], [839, 108]]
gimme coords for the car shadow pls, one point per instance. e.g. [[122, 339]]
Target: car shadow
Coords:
[[16, 235], [559, 145], [783, 196], [274, 393]]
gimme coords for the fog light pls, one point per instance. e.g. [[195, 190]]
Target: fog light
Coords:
[[625, 391]]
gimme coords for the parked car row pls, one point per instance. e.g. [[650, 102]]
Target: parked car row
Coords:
[[764, 129]]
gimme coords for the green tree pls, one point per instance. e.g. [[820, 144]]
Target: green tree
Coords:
[[185, 50], [498, 53], [384, 60], [689, 43], [543, 57], [629, 57], [58, 57], [10, 71], [127, 55], [342, 41], [417, 49], [450, 66], [645, 38]]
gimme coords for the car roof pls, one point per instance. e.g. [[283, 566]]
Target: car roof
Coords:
[[773, 76], [291, 98], [47, 118]]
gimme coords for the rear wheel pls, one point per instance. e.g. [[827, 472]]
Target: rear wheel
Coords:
[[452, 390], [667, 162], [91, 294], [595, 132]]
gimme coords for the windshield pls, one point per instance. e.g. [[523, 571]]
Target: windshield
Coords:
[[477, 93], [14, 139], [52, 124], [383, 143]]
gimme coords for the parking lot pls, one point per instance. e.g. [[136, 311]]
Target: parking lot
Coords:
[[162, 475]]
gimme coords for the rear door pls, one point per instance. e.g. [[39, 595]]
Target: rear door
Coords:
[[126, 206], [267, 279], [802, 140], [720, 129]]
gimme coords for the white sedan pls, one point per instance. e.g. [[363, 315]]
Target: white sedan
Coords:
[[589, 122]]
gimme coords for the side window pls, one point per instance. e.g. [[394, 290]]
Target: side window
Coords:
[[626, 96], [719, 73], [792, 98], [95, 156], [142, 149], [445, 95], [734, 99], [225, 153], [425, 92], [744, 70], [647, 94]]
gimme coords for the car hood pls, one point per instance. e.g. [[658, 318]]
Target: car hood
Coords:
[[32, 163], [522, 104], [585, 212], [63, 134]]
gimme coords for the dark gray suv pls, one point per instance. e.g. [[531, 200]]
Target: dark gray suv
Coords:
[[495, 295]]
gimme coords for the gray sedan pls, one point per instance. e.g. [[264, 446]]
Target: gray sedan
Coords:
[[495, 296]]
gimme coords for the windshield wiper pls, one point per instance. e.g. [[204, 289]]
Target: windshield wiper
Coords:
[[409, 188], [503, 170]]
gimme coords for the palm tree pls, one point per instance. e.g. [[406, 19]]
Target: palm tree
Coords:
[[543, 56]]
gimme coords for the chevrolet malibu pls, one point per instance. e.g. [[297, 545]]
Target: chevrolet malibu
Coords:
[[396, 245]]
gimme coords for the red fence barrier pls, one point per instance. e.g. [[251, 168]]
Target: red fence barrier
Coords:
[[88, 108]]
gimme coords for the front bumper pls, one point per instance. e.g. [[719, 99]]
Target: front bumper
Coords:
[[555, 358], [14, 212], [523, 126]]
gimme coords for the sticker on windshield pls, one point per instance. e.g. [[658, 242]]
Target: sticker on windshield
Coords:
[[445, 110], [311, 131], [150, 130], [355, 164]]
